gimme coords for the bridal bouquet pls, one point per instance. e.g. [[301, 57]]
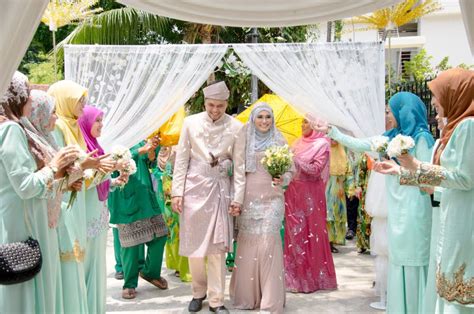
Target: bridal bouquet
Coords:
[[379, 144], [401, 144], [277, 160], [122, 154]]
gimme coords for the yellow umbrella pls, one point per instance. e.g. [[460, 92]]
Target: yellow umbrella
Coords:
[[287, 120]]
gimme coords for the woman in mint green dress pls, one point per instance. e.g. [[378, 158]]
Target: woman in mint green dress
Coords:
[[409, 208], [453, 170], [28, 171], [97, 215], [72, 227]]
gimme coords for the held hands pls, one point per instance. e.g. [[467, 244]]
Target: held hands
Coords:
[[235, 209], [177, 204], [387, 167]]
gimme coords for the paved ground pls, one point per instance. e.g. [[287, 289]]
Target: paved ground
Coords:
[[354, 294]]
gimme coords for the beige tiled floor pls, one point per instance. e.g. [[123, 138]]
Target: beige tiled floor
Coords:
[[355, 293]]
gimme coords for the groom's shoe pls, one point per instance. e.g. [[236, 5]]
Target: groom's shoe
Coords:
[[196, 304], [219, 310]]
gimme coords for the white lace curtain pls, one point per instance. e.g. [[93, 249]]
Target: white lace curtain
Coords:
[[342, 83], [139, 87]]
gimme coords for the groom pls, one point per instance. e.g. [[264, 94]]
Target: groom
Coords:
[[208, 147]]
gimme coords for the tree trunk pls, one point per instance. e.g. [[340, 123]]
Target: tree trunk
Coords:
[[329, 29]]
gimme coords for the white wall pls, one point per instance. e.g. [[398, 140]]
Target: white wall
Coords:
[[446, 36], [444, 33]]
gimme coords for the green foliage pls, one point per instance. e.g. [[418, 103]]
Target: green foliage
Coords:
[[42, 72], [443, 65], [466, 66], [338, 27], [419, 67]]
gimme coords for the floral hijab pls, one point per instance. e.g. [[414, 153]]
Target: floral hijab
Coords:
[[42, 109], [258, 141]]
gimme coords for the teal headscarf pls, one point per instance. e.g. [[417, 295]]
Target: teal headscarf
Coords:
[[410, 113]]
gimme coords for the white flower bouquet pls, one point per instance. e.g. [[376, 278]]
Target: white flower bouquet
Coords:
[[401, 144], [277, 160], [123, 155], [379, 144]]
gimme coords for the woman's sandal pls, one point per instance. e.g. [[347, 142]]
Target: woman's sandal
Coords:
[[129, 293], [334, 250]]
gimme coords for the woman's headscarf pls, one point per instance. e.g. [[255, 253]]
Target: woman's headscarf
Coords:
[[338, 162], [410, 113], [86, 121], [67, 94], [308, 146], [42, 108], [12, 104], [454, 90], [258, 141], [15, 98]]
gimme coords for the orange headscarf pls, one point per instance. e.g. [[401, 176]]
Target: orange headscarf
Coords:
[[454, 90]]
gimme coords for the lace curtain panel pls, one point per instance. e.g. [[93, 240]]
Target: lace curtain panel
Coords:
[[139, 87], [18, 22], [342, 83]]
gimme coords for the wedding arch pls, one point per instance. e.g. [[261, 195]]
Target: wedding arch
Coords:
[[140, 87]]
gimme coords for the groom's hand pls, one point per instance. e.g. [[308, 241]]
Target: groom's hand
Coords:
[[177, 204], [234, 209]]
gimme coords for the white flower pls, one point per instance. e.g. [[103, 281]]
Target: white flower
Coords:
[[401, 144], [88, 174], [121, 153], [379, 144]]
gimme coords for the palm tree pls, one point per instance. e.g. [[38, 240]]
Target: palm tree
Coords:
[[391, 18]]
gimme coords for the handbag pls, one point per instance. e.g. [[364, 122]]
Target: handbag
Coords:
[[20, 261]]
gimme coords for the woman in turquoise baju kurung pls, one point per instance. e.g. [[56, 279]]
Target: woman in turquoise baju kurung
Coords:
[[453, 170], [24, 194], [409, 208]]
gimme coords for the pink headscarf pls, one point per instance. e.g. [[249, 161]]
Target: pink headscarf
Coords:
[[86, 121], [308, 147]]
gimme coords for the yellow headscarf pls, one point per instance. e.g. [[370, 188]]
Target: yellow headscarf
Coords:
[[67, 94], [338, 161]]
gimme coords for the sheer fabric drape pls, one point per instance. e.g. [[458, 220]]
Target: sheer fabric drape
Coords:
[[139, 87], [342, 83], [18, 22]]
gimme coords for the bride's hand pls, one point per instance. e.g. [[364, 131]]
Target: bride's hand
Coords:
[[408, 161], [387, 167], [277, 181]]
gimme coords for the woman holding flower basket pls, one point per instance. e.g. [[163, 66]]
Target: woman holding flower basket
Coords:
[[409, 208], [258, 276]]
